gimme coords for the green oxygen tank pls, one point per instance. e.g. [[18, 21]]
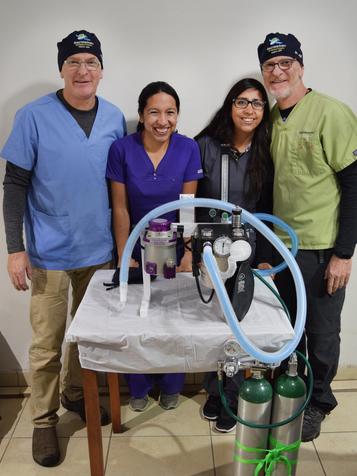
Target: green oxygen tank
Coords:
[[254, 405], [289, 396]]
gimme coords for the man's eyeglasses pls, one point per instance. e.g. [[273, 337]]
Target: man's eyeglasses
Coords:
[[242, 103], [283, 65], [91, 65]]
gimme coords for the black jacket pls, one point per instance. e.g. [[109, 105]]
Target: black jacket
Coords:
[[238, 184]]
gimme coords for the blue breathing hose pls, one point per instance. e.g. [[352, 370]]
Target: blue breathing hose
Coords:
[[212, 268], [293, 239], [265, 357]]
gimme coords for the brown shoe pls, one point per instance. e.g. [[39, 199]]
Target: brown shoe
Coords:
[[45, 450]]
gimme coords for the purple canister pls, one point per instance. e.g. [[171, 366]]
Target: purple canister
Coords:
[[159, 242], [159, 224], [170, 269]]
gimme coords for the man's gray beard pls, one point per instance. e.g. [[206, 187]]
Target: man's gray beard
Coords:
[[281, 94]]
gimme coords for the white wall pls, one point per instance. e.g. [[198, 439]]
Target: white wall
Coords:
[[199, 46]]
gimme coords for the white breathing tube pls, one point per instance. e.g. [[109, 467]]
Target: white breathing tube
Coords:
[[240, 251], [210, 262]]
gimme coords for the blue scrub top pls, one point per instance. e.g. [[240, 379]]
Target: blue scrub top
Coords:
[[147, 188], [68, 220]]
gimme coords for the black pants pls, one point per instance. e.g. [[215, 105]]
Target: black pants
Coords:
[[231, 386], [321, 341]]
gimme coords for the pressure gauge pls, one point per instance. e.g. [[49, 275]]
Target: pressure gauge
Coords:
[[222, 246], [231, 348], [241, 250]]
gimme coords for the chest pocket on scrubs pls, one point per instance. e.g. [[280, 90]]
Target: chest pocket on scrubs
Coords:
[[161, 185], [305, 154]]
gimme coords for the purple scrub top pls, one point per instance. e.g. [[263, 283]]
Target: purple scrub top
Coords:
[[147, 188]]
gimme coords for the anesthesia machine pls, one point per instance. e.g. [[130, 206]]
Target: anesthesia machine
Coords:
[[269, 416]]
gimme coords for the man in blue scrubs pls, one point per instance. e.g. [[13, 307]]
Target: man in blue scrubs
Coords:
[[55, 178]]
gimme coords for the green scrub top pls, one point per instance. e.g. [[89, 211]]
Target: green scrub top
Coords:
[[318, 139]]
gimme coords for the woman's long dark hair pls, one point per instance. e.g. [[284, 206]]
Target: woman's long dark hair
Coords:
[[221, 128], [150, 90]]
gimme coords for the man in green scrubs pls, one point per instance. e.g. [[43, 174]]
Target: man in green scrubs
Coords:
[[314, 150]]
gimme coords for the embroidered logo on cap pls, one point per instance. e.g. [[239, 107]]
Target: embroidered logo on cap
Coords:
[[355, 152], [82, 36], [275, 41], [83, 41], [276, 46]]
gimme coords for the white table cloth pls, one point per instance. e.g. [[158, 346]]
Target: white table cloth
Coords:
[[180, 333]]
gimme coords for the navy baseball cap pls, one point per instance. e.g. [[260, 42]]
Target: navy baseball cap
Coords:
[[79, 42], [278, 44]]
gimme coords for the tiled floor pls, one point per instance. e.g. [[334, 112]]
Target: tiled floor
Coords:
[[171, 443]]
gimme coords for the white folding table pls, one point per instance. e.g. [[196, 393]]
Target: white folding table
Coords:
[[179, 334]]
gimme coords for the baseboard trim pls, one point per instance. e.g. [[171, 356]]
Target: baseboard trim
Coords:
[[17, 383]]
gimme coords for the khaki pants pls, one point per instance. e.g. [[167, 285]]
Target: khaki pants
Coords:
[[49, 306]]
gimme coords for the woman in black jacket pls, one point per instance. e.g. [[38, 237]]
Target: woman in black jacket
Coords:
[[237, 168]]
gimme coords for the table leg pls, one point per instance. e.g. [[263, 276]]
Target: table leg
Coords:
[[94, 431], [114, 392]]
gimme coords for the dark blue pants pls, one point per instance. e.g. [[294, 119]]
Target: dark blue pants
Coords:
[[321, 341], [141, 384]]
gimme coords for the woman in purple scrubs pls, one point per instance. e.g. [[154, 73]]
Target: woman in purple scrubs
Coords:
[[146, 169]]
